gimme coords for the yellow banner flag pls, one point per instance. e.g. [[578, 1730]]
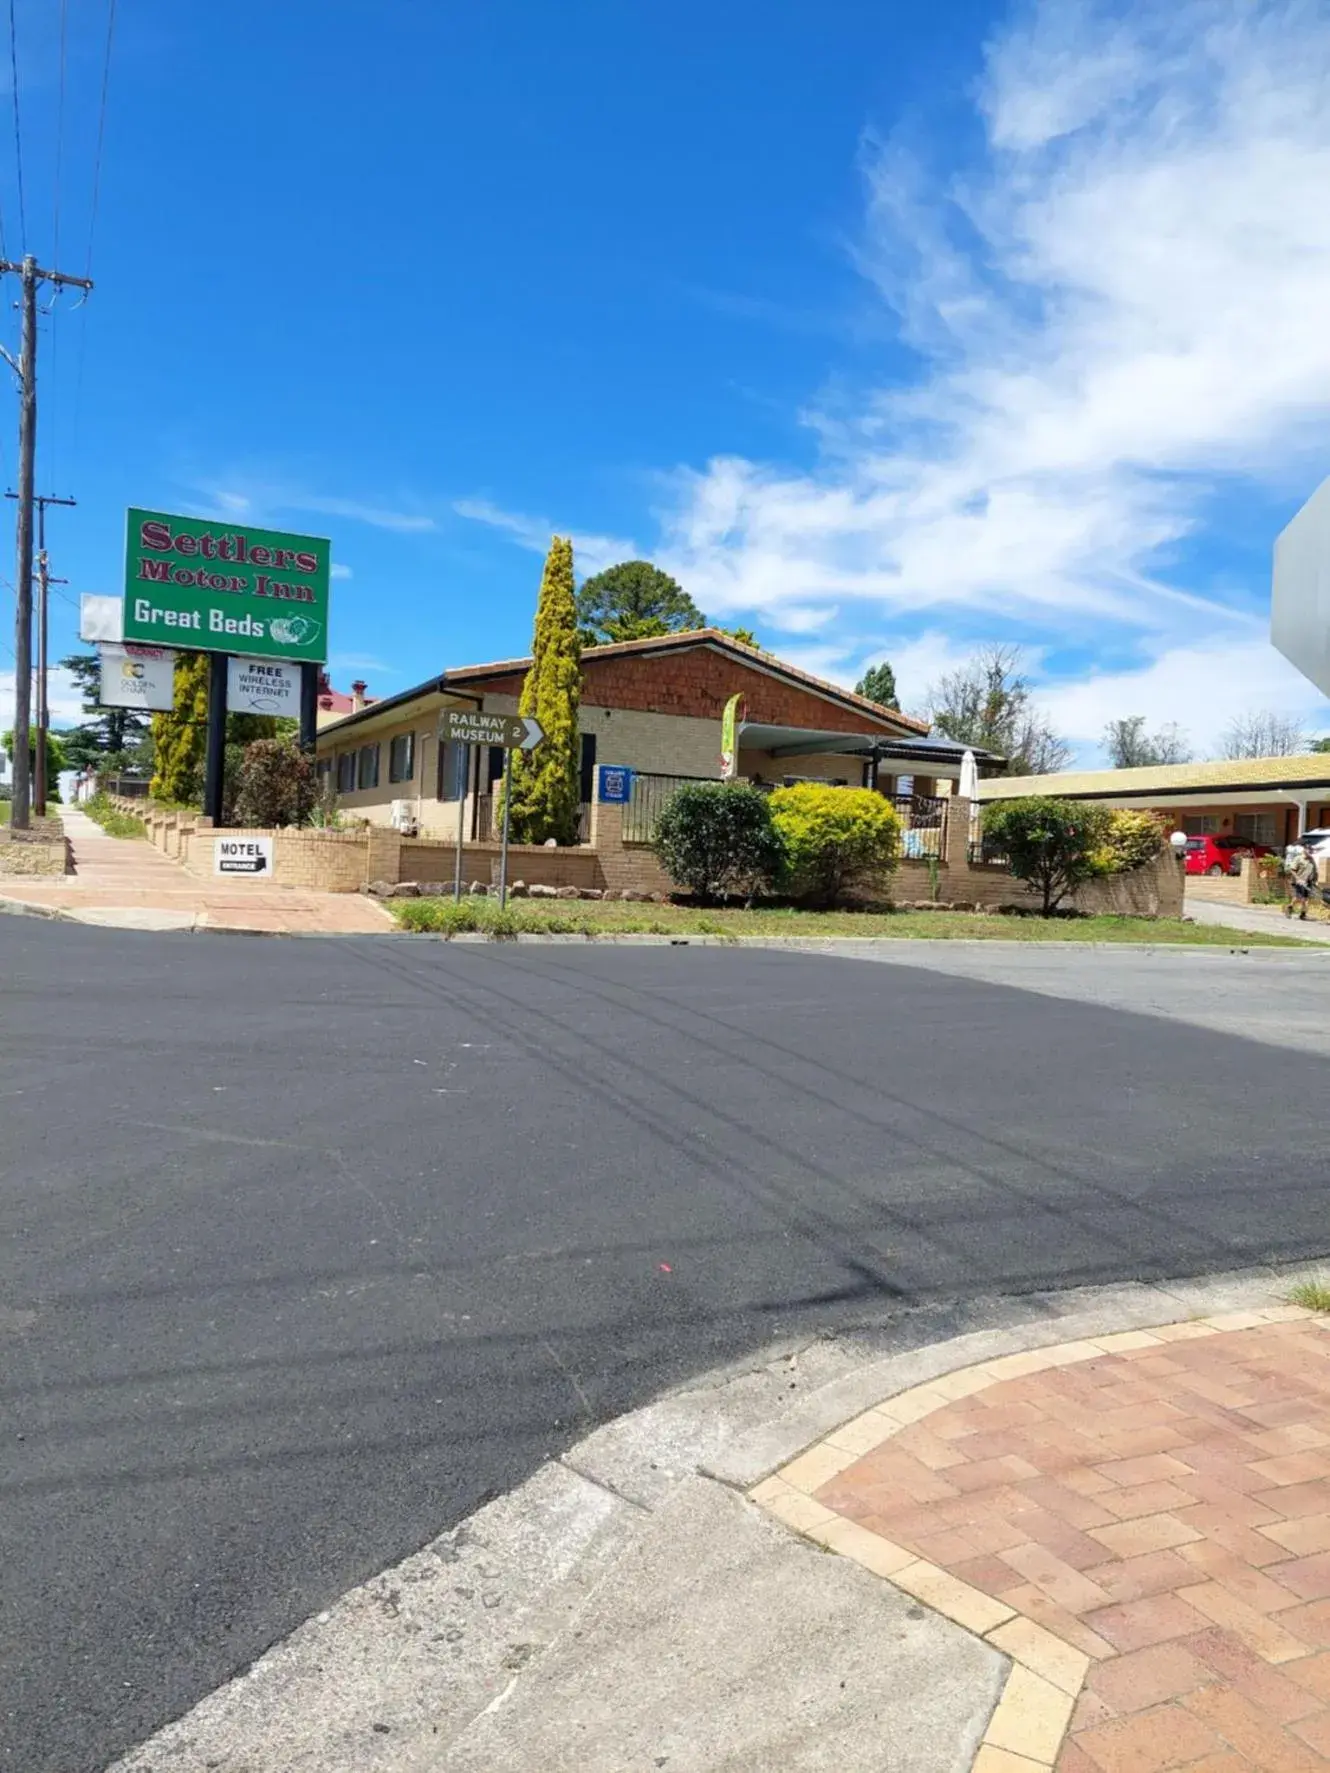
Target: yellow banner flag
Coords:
[[729, 738]]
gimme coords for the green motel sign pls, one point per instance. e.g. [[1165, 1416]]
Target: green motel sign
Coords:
[[210, 585]]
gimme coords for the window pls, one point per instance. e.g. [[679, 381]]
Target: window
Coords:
[[496, 765], [367, 768], [1256, 827], [346, 772], [453, 759], [588, 774], [325, 768], [402, 758], [1201, 824]]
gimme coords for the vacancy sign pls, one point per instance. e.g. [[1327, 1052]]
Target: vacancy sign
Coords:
[[216, 586], [242, 855], [140, 677], [262, 686]]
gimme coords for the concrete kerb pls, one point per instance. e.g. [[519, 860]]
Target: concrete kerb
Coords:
[[21, 908], [536, 1624], [845, 947]]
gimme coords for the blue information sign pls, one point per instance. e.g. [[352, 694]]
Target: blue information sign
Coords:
[[616, 785]]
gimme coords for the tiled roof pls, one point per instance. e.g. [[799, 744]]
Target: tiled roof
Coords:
[[1169, 778], [710, 637]]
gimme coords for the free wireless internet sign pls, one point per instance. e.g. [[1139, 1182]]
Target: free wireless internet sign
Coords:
[[211, 585]]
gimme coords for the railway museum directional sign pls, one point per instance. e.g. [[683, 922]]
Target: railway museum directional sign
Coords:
[[468, 726], [211, 585]]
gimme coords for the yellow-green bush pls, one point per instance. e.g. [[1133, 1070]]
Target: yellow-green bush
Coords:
[[837, 841], [1132, 840]]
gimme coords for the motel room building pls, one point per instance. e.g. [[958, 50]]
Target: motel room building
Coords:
[[653, 707]]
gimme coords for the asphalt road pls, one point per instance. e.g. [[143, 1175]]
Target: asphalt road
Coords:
[[308, 1248]]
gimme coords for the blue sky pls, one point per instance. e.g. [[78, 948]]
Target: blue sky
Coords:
[[888, 328]]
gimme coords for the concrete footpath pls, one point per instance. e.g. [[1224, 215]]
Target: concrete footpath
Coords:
[[127, 884], [1269, 920], [1094, 1536]]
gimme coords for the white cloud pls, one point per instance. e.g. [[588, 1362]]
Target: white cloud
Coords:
[[1200, 687], [353, 511], [1119, 318], [63, 700], [366, 662], [262, 499], [591, 553], [338, 571]]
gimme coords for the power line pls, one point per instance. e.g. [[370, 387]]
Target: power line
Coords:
[[92, 222], [18, 133], [101, 126], [60, 131]]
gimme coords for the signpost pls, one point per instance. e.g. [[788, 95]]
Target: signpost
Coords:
[[242, 855], [262, 686], [1300, 592], [101, 618], [221, 587], [615, 785], [140, 677], [216, 586], [513, 732]]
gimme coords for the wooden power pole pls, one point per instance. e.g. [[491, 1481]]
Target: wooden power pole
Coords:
[[40, 786], [31, 275]]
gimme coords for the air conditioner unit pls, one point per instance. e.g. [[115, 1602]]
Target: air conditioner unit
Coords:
[[403, 817]]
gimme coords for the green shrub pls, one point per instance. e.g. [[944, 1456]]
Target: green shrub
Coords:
[[1132, 840], [275, 784], [1053, 845], [836, 841], [716, 840], [112, 821]]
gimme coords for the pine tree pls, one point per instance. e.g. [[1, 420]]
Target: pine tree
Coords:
[[546, 781], [180, 738]]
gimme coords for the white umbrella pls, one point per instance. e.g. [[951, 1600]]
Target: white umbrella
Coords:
[[969, 782]]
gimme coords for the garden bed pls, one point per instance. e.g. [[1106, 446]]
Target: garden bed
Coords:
[[440, 916]]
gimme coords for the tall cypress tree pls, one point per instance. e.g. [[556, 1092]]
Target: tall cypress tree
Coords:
[[180, 738], [546, 791]]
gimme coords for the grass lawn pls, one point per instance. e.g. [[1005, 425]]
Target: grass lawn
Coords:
[[53, 809], [589, 917]]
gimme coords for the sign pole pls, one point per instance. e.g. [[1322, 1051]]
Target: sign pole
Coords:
[[461, 784], [309, 706], [215, 761], [507, 814]]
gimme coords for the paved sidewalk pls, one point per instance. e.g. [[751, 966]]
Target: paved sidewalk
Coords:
[[126, 883], [1141, 1521], [1263, 919]]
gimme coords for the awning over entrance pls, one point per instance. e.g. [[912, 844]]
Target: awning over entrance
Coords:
[[933, 757]]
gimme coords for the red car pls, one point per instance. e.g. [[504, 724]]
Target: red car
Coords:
[[1220, 855]]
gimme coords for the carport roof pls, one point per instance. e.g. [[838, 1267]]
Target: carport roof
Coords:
[[801, 741]]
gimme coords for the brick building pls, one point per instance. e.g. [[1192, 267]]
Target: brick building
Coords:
[[652, 706], [1263, 800]]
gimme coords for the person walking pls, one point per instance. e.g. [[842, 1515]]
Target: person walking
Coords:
[[1302, 879]]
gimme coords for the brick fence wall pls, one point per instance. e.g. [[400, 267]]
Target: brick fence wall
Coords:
[[33, 852], [344, 861]]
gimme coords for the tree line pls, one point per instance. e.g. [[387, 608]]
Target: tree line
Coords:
[[988, 703]]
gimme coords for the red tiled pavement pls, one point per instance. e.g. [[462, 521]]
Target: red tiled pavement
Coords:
[[1195, 1576], [115, 875]]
